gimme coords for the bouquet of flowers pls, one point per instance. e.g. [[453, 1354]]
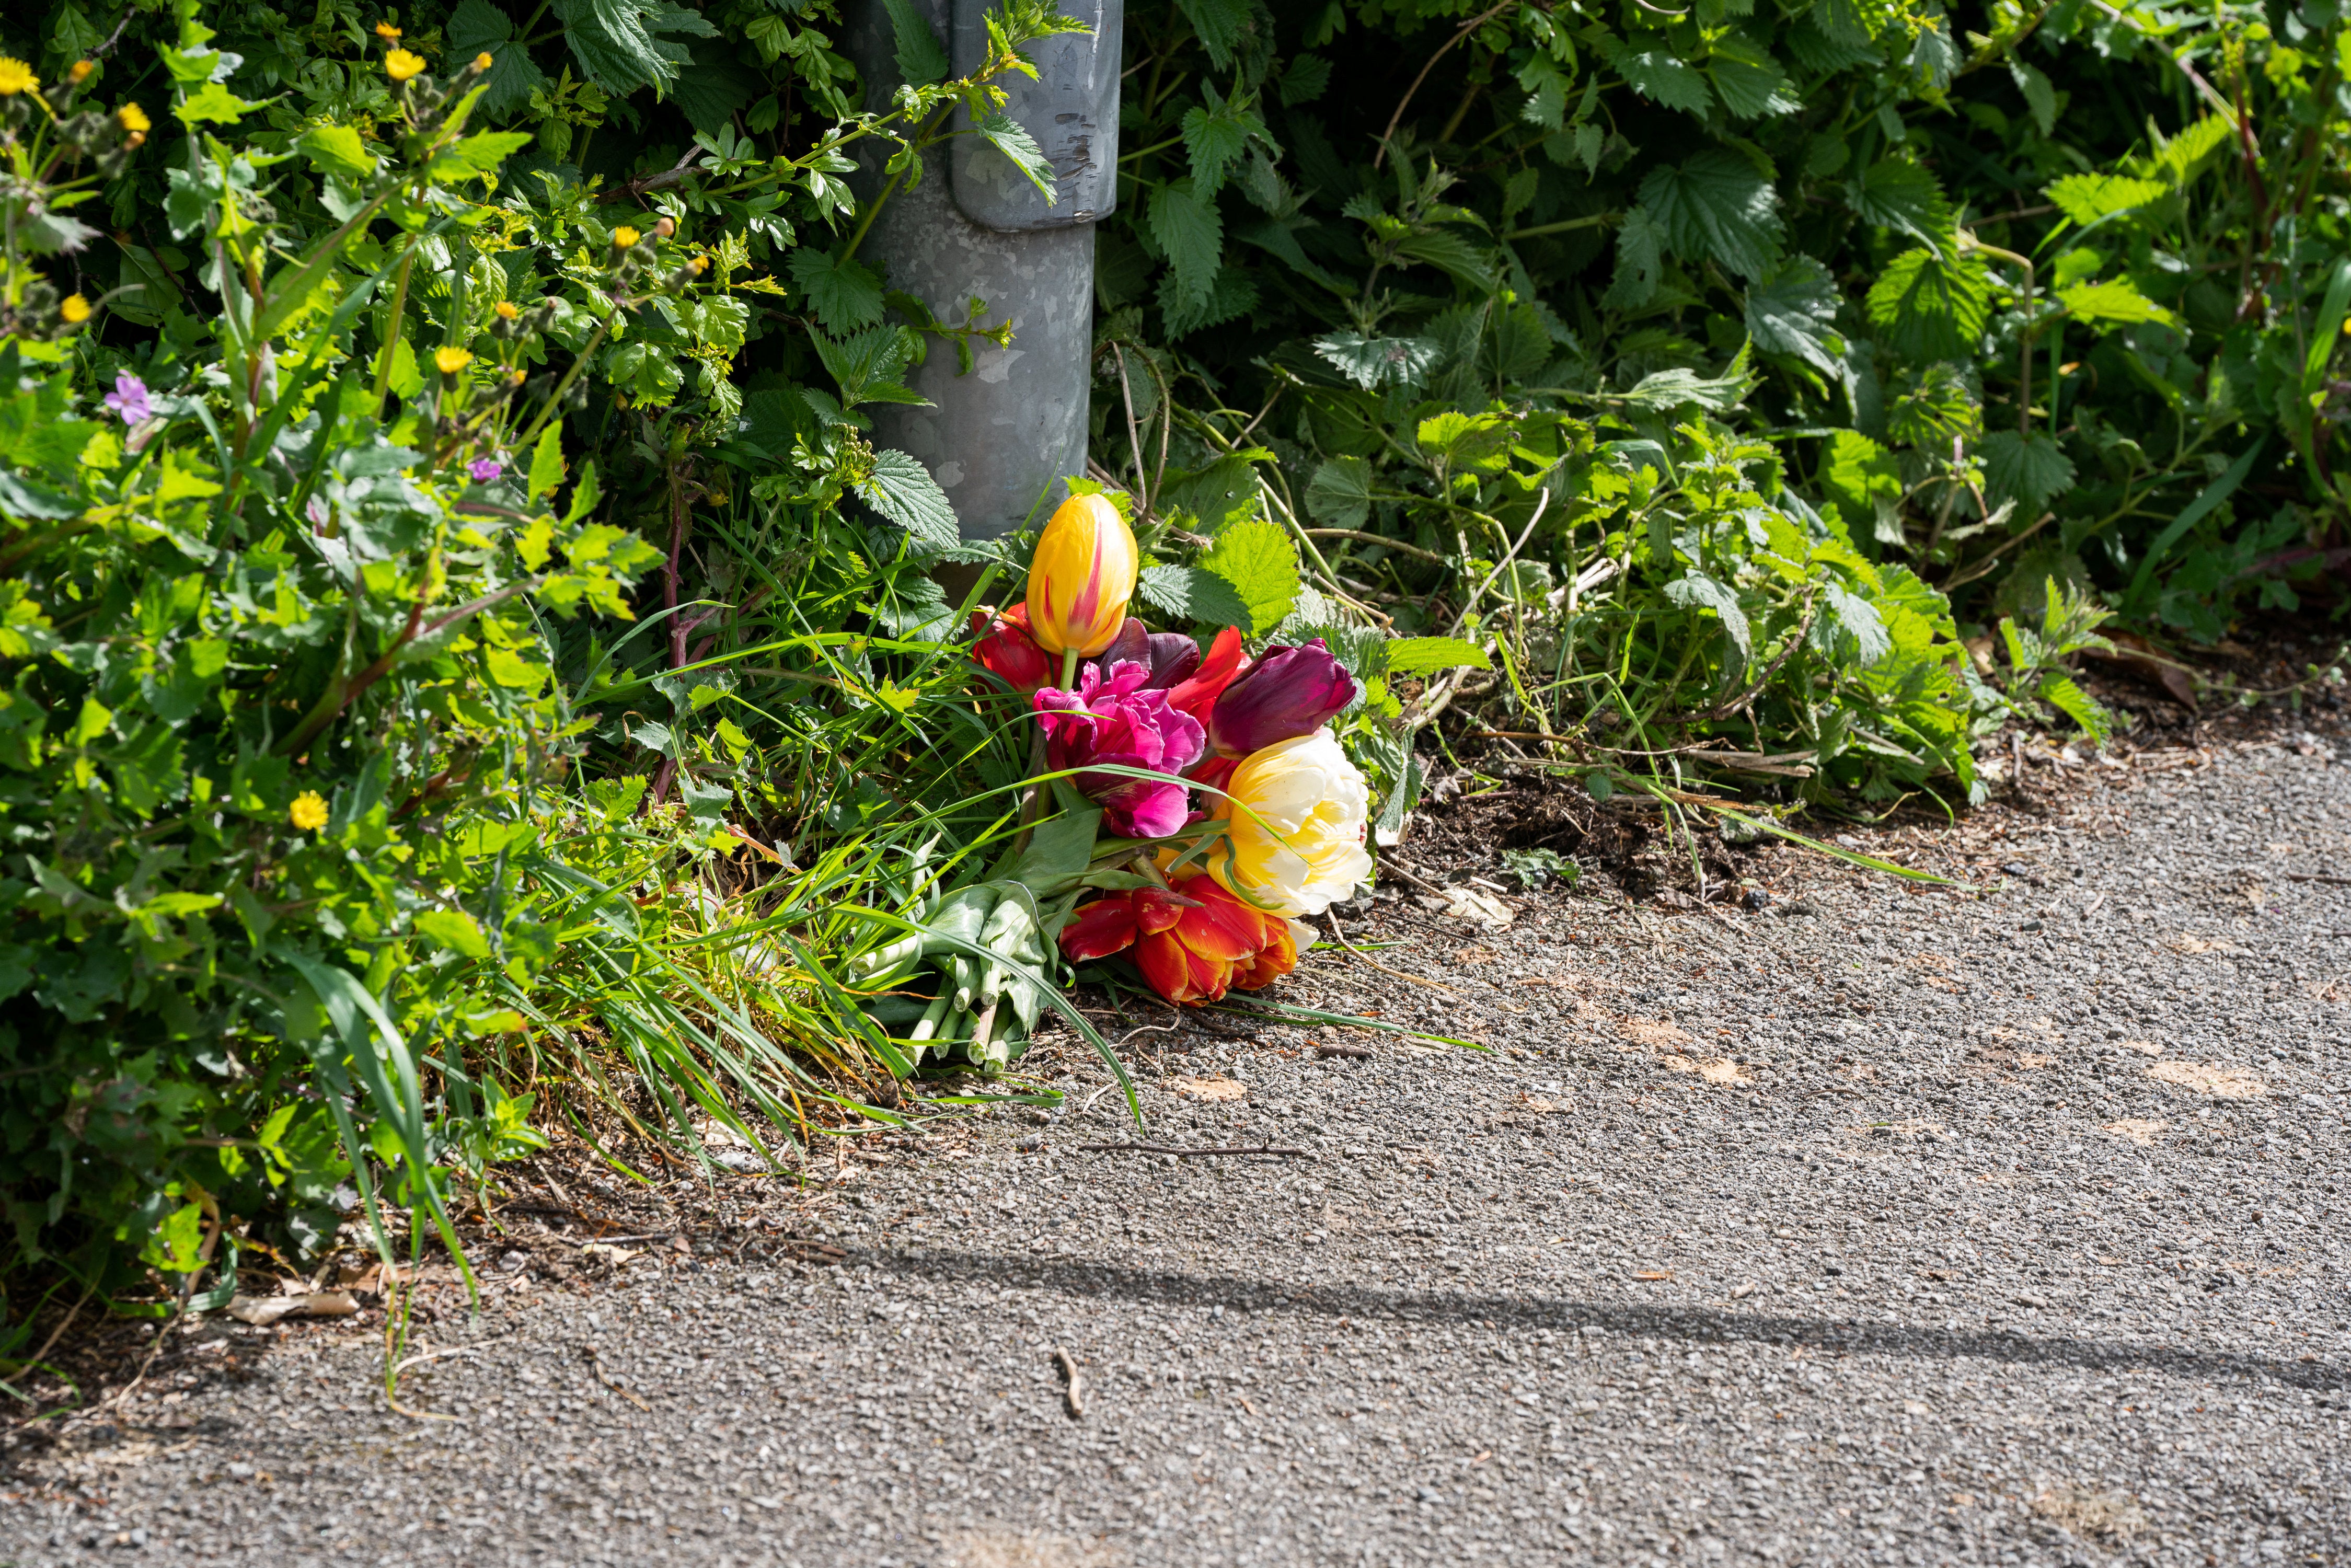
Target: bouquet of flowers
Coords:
[[1206, 805]]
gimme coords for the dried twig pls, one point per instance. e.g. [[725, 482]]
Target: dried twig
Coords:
[[1074, 1396], [1182, 1153]]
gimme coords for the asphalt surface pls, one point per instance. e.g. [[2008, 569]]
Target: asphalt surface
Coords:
[[1995, 1224]]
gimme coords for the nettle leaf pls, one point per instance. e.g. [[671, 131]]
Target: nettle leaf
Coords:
[[1640, 256], [615, 51], [1718, 204], [1748, 79], [337, 149], [2031, 470], [2040, 98], [1256, 556], [1898, 194], [1192, 235], [477, 28], [1929, 308], [843, 292], [1651, 69], [922, 58], [1340, 494], [1011, 138], [1793, 311], [1426, 656], [1452, 255], [1220, 26], [902, 490], [1233, 293], [1214, 138], [2087, 198], [1696, 590], [1373, 362], [2114, 301], [1190, 593], [1865, 481]]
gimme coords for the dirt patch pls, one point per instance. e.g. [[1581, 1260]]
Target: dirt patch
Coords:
[[2140, 1130], [1714, 1069], [2209, 1078], [2099, 1515], [1212, 1088], [1027, 1549], [1659, 1034]]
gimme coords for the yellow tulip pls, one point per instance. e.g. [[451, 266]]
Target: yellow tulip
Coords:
[[1081, 577], [1294, 842]]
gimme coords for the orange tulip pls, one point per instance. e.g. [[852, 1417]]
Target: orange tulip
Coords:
[[1193, 942], [1081, 577]]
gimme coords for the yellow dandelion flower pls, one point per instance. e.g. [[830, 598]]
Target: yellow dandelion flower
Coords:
[[482, 61], [309, 812], [75, 310], [400, 65], [507, 310], [80, 72], [16, 77], [386, 31], [624, 236], [449, 361], [133, 118]]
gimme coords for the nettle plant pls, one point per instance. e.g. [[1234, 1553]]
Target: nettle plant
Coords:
[[273, 677]]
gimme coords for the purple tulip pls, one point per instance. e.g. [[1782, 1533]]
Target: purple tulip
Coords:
[[485, 469], [129, 399], [1170, 657], [1120, 719], [1289, 693]]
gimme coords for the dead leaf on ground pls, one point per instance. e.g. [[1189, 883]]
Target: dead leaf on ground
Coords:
[[263, 1310], [605, 1252], [2140, 1130], [1467, 955], [1478, 906], [2083, 1512], [1214, 1087], [2209, 1078], [1657, 1032], [1028, 1549]]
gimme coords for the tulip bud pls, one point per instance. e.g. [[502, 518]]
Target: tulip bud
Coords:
[[1081, 577], [1004, 648], [1289, 693]]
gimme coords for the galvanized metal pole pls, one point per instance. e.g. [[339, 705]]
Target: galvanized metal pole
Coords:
[[1000, 438]]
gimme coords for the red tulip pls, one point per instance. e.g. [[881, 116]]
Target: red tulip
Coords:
[[1196, 693], [1193, 942], [1287, 692], [1006, 649]]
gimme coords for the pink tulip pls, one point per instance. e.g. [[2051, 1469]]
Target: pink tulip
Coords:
[[1287, 692], [1120, 719]]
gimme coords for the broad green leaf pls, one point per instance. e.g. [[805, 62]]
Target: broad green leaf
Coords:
[[2114, 301], [1451, 254], [546, 466], [1717, 205], [1340, 494], [477, 154], [1214, 138], [2040, 98], [1468, 443], [1695, 590], [1373, 362], [1926, 308], [615, 50], [1426, 656], [1215, 493], [1748, 79], [902, 490], [1190, 593], [1651, 69], [1011, 138], [478, 27], [1192, 235], [2030, 470], [1793, 311], [454, 929], [1898, 194], [922, 59], [1859, 619], [843, 292], [1865, 481], [2087, 198], [1640, 255], [1256, 556], [213, 104], [1220, 26], [337, 149]]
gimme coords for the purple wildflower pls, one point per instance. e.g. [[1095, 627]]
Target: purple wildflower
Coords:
[[129, 399], [485, 469]]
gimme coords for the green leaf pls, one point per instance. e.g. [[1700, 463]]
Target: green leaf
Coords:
[[1640, 256], [1372, 362], [213, 104], [902, 490], [2027, 469], [2114, 301], [1011, 138], [1192, 235], [1220, 24], [477, 28], [1898, 194], [1793, 311], [478, 154], [1928, 308], [1865, 481], [1215, 493], [2040, 98], [1658, 75], [1696, 590], [1468, 443], [613, 46], [1452, 255], [2087, 198], [546, 461], [1748, 79], [1256, 556], [1718, 204], [843, 292], [922, 58], [1340, 494], [1214, 139], [337, 149], [454, 929], [1190, 593], [1426, 656]]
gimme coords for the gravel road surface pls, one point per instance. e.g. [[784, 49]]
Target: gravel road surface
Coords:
[[2000, 1223]]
